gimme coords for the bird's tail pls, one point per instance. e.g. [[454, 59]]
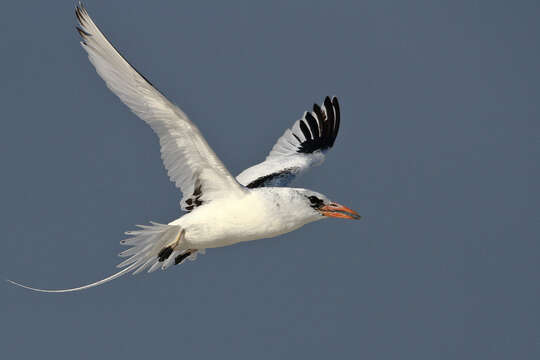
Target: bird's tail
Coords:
[[152, 246]]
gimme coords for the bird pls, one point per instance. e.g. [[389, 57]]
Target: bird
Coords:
[[221, 210]]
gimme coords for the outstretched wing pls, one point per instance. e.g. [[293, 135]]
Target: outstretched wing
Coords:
[[300, 147], [190, 162]]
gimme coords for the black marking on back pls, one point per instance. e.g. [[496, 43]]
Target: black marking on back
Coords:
[[195, 199], [320, 128], [273, 179]]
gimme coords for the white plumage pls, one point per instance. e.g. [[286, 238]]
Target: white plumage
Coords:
[[222, 210]]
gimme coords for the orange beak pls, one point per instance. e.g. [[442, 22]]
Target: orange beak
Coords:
[[339, 211]]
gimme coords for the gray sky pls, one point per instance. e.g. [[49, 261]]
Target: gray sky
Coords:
[[438, 151]]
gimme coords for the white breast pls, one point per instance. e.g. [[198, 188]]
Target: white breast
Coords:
[[260, 213]]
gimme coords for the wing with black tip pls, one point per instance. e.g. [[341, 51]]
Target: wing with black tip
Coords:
[[302, 146], [190, 162]]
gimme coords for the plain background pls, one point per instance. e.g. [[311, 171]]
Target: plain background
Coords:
[[438, 150]]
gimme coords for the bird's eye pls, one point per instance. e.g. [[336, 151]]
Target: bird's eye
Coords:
[[315, 200]]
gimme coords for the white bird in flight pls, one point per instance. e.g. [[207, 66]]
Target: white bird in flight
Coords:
[[221, 210]]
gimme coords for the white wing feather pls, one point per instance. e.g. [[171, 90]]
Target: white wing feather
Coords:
[[185, 153], [302, 146]]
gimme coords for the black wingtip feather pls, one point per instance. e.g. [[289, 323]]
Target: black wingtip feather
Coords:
[[324, 126], [81, 13], [305, 130], [79, 9], [82, 32], [335, 103], [313, 126]]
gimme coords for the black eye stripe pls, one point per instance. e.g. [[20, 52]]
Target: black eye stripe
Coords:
[[315, 201]]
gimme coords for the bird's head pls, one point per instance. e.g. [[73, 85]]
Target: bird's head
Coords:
[[322, 206]]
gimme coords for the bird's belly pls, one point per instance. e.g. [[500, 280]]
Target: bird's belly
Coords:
[[230, 232], [211, 227]]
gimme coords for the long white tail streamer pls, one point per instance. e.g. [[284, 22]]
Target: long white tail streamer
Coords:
[[146, 244], [112, 277]]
